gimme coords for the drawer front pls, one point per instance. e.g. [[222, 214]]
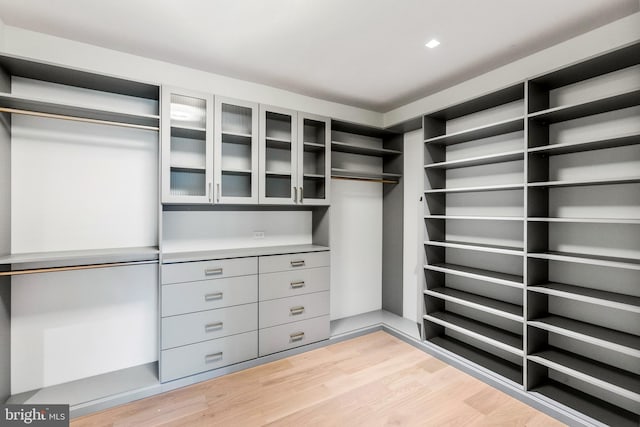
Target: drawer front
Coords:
[[207, 325], [205, 270], [292, 283], [293, 309], [291, 335], [191, 359], [275, 263], [184, 298]]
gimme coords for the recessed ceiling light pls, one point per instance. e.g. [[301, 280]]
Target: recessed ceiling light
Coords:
[[432, 43]]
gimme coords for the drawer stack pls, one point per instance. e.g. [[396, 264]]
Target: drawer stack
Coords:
[[293, 300], [209, 315]]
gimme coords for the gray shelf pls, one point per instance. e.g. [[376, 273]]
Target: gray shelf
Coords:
[[346, 173], [81, 257], [313, 146], [603, 261], [587, 220], [498, 187], [576, 111], [493, 129], [478, 273], [618, 381], [509, 156], [585, 182], [277, 173], [578, 147], [592, 334], [237, 171], [480, 303], [236, 138], [313, 176], [474, 218], [504, 250], [187, 168], [278, 143], [592, 296], [177, 257], [77, 111], [345, 147], [502, 367], [491, 335], [189, 132]]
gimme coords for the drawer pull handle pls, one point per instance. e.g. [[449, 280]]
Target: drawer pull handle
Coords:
[[213, 357], [296, 336], [212, 271], [297, 285], [296, 310], [212, 326], [297, 263], [213, 297]]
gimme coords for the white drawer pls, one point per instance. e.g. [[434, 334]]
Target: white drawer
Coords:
[[191, 359], [293, 309], [291, 283], [183, 298], [207, 325], [291, 335], [274, 263], [205, 270]]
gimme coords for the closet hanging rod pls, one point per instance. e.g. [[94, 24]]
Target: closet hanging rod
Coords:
[[353, 178], [76, 119], [74, 268]]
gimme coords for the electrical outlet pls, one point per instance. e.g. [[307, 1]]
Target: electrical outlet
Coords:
[[258, 234]]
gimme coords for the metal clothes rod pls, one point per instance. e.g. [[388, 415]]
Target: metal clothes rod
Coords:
[[74, 268], [76, 119], [378, 180]]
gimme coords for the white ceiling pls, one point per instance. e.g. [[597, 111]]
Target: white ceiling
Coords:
[[366, 53]]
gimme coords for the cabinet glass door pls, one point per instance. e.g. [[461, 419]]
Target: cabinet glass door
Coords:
[[236, 152], [278, 156], [314, 159], [187, 147]]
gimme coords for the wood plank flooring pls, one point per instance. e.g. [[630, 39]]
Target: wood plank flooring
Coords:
[[372, 380]]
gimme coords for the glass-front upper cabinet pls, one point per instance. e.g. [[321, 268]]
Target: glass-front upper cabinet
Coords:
[[314, 159], [187, 147], [278, 156], [235, 152]]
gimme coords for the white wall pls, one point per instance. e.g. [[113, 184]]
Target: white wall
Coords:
[[356, 248], [412, 224]]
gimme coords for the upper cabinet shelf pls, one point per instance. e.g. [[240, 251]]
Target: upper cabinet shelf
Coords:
[[578, 147], [344, 147], [478, 160], [486, 131]]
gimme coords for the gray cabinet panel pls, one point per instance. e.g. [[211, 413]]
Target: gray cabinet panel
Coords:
[[292, 283], [205, 270], [191, 359], [210, 324], [288, 262], [291, 335], [183, 298], [292, 309]]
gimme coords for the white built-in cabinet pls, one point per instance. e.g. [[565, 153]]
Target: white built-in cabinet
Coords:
[[314, 159]]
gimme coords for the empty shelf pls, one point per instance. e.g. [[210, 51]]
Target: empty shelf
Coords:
[[585, 182], [236, 138], [577, 147], [496, 337], [313, 176], [592, 334], [494, 129], [477, 273], [313, 146], [592, 296], [487, 305], [278, 173], [26, 105], [576, 111], [278, 143], [488, 361], [363, 174], [237, 171], [189, 132], [479, 218], [614, 380], [603, 261], [588, 405], [344, 147], [498, 187], [480, 247], [187, 167], [588, 220], [479, 160]]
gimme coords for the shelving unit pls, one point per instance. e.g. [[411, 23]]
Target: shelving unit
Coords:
[[314, 159], [574, 186]]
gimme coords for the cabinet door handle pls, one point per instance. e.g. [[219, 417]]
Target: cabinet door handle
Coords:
[[212, 326], [210, 191], [296, 336], [297, 285], [295, 194], [213, 297], [212, 271], [297, 263], [294, 311], [213, 357], [301, 195], [218, 192]]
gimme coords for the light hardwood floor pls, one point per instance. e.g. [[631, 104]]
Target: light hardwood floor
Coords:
[[372, 380]]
